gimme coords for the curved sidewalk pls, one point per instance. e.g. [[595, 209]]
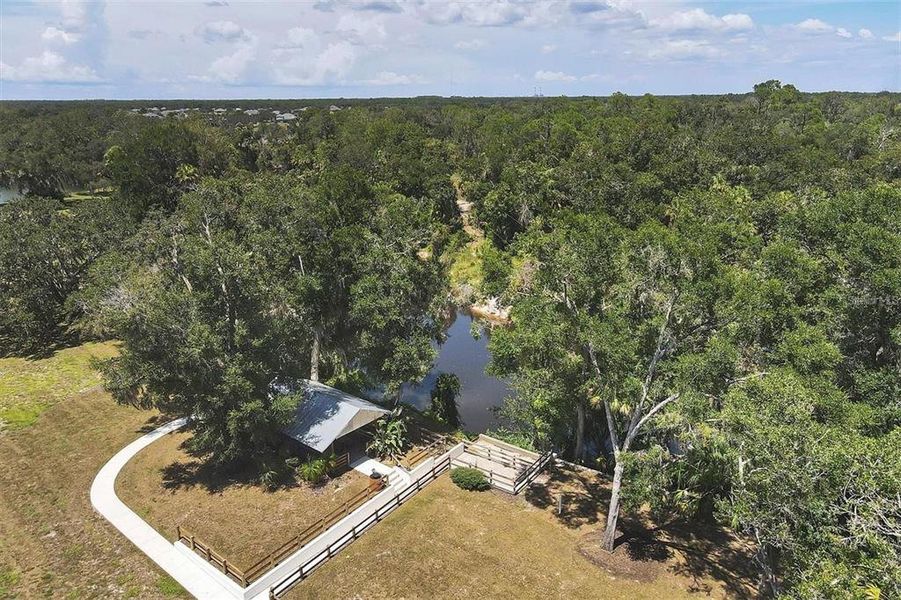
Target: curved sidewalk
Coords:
[[163, 552]]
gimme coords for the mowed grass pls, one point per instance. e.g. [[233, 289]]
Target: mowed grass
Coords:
[[239, 518], [52, 543], [448, 543], [28, 387]]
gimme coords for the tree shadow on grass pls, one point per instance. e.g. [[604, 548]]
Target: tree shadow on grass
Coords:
[[707, 552], [37, 349], [212, 478], [698, 550], [155, 422], [584, 495]]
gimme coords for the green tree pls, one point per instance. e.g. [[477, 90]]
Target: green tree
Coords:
[[444, 399], [45, 252]]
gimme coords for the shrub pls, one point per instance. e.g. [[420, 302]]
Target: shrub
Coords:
[[270, 479], [470, 479], [314, 470], [519, 439], [389, 439]]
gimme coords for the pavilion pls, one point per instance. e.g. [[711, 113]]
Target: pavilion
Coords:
[[325, 414]]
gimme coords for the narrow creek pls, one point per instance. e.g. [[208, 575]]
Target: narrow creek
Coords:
[[466, 357]]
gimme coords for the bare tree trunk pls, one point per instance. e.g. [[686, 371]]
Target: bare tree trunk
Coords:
[[314, 357], [769, 584], [580, 431], [613, 510]]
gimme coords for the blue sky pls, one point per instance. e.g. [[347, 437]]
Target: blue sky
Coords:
[[365, 48]]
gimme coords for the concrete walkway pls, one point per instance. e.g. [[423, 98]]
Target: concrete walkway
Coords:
[[366, 466], [199, 582]]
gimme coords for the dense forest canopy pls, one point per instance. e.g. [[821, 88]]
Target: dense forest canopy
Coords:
[[704, 292]]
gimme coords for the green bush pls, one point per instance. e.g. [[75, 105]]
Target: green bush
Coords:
[[517, 438], [389, 438], [314, 470], [470, 479]]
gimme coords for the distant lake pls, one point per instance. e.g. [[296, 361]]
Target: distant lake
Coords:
[[467, 358], [8, 194]]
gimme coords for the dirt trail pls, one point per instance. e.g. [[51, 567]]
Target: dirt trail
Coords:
[[465, 207]]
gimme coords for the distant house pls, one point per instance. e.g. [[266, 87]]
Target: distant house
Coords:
[[325, 414]]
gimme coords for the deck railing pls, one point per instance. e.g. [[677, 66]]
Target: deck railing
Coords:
[[248, 576], [304, 537], [410, 462], [377, 514], [526, 477], [213, 557]]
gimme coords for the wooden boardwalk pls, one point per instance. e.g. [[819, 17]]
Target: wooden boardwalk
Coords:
[[507, 467]]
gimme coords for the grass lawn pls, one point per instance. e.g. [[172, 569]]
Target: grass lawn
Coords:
[[448, 543], [242, 521], [53, 544], [28, 387]]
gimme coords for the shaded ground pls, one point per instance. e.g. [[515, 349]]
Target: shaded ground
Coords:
[[447, 543], [644, 550], [240, 519], [53, 545]]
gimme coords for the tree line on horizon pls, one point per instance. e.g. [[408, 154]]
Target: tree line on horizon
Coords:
[[705, 292]]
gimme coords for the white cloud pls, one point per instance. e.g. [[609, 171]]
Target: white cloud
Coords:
[[548, 48], [299, 37], [485, 13], [361, 29], [700, 20], [893, 38], [49, 67], [865, 34], [815, 26], [55, 35], [392, 78], [306, 68], [738, 21], [842, 32], [469, 44], [684, 49], [232, 68], [554, 76], [222, 31], [77, 15]]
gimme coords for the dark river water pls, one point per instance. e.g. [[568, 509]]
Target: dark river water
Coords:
[[7, 195], [466, 357]]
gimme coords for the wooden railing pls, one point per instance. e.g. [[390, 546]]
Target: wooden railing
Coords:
[[248, 576], [213, 557], [304, 537], [496, 455], [525, 471], [299, 574], [410, 462], [524, 478], [342, 461]]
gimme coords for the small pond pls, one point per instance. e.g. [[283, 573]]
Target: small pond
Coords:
[[8, 194], [466, 357]]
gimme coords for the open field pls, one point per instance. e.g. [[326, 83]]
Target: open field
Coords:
[[447, 543], [64, 427], [28, 387], [53, 544], [240, 520]]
